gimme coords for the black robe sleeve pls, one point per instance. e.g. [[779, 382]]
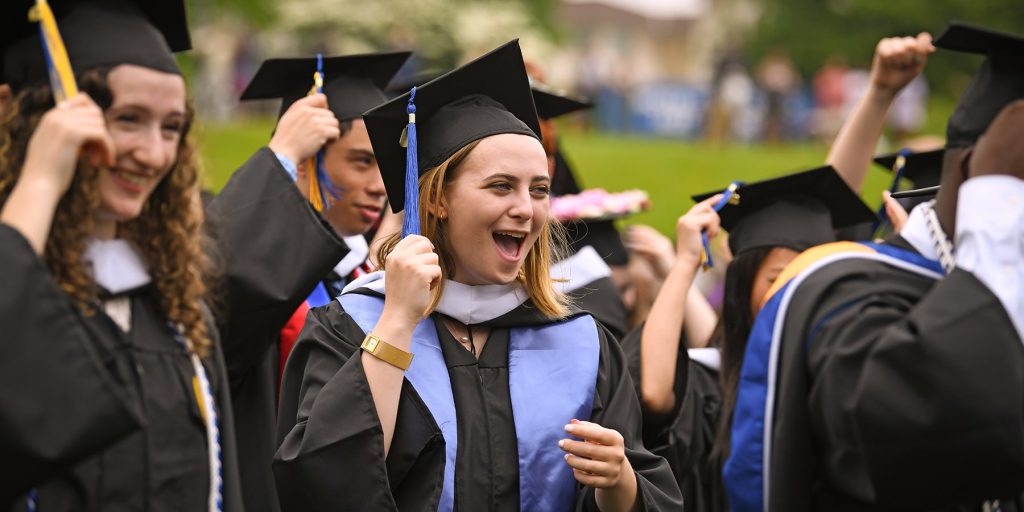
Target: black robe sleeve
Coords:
[[601, 299], [617, 407], [274, 247], [916, 391], [331, 453], [64, 394], [686, 435]]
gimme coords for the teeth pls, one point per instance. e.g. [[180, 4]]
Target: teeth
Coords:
[[513, 235], [132, 178]]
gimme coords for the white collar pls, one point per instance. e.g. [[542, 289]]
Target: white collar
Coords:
[[915, 232], [467, 304], [707, 357], [116, 265], [358, 250], [579, 270]]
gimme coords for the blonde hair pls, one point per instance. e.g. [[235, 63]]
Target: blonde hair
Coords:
[[534, 276]]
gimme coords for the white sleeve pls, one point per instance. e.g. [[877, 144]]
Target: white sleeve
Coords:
[[990, 238]]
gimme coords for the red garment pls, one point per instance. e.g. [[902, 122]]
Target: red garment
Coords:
[[289, 334]]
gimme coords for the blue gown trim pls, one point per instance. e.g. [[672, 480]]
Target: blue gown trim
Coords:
[[552, 379], [746, 472]]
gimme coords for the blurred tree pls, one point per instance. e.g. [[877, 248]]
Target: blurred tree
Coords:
[[813, 30]]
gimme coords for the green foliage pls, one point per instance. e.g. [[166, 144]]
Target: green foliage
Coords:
[[813, 30]]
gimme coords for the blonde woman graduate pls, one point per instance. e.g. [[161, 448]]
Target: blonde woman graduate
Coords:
[[457, 378]]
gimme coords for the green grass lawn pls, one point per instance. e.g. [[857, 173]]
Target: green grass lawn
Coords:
[[670, 171]]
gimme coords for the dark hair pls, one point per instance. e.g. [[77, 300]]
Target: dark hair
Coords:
[[731, 338]]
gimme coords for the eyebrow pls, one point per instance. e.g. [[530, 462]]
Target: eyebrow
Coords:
[[361, 152], [510, 177], [135, 106]]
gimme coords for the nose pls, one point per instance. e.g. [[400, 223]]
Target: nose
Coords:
[[522, 206], [150, 150], [375, 185]]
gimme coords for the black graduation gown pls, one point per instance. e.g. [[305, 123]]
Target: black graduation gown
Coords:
[[686, 435], [907, 394], [275, 249], [98, 419], [331, 454], [601, 299]]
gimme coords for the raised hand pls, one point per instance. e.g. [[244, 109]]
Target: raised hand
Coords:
[[63, 133], [304, 128], [411, 272], [701, 217], [898, 60]]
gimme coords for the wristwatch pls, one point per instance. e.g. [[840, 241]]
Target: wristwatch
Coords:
[[386, 352]]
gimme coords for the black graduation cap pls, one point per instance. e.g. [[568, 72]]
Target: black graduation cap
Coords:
[[488, 96], [96, 33], [353, 83], [924, 169], [402, 82], [551, 104], [797, 211], [999, 81]]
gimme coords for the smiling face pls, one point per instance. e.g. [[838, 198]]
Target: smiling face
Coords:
[[352, 168], [145, 119], [495, 208]]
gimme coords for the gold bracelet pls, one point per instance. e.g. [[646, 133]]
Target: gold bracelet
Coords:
[[386, 352]]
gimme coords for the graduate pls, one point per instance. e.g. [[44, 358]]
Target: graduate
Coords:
[[890, 376], [327, 124], [457, 377], [115, 338], [769, 223]]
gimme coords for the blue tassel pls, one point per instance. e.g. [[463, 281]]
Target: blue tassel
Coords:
[[901, 164], [411, 218]]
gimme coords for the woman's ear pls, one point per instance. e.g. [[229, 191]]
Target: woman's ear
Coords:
[[440, 210]]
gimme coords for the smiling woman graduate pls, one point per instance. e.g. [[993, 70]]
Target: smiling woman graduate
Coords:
[[513, 399], [114, 389]]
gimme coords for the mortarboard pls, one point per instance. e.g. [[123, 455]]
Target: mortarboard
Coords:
[[999, 81], [353, 83], [924, 169], [797, 211], [551, 104], [488, 96], [96, 33]]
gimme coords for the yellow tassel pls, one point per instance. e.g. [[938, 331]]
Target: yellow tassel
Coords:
[[199, 397], [62, 79], [314, 186]]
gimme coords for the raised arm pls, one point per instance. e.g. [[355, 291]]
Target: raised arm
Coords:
[[897, 61], [659, 342]]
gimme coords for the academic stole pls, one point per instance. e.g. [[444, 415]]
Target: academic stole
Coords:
[[565, 354]]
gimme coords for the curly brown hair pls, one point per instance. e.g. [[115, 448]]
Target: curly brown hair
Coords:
[[169, 232]]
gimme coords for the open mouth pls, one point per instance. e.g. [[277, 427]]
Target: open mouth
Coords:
[[509, 243], [134, 179]]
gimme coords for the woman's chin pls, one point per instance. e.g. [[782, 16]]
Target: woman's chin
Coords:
[[121, 211]]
